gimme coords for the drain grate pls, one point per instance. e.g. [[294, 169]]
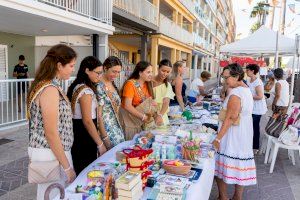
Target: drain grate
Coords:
[[5, 141]]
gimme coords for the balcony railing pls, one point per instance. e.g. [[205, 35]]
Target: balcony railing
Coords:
[[202, 16], [222, 19], [213, 4], [221, 36], [142, 9], [171, 29], [100, 10], [190, 5]]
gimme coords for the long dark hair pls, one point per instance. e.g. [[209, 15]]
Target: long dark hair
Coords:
[[48, 67], [165, 62], [110, 62], [90, 63], [140, 67]]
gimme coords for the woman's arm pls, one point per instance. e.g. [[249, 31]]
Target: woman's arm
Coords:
[[232, 114], [130, 108], [163, 110], [49, 102], [202, 91], [178, 90], [102, 130], [277, 95], [259, 93], [85, 102]]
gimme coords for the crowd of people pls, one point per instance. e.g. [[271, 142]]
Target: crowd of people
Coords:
[[94, 116]]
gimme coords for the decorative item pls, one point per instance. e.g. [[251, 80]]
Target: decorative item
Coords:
[[190, 147], [187, 114], [176, 167]]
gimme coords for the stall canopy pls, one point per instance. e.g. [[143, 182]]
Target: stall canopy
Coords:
[[261, 42]]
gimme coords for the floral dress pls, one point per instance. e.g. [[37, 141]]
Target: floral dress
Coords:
[[110, 102]]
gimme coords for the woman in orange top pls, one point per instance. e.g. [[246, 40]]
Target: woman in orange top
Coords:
[[137, 99]]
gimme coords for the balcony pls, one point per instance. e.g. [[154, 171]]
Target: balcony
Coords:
[[222, 19], [141, 9], [203, 17], [56, 17], [201, 42], [212, 4], [171, 29], [94, 9], [189, 5], [221, 36]]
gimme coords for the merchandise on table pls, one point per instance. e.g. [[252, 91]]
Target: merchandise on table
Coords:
[[177, 167]]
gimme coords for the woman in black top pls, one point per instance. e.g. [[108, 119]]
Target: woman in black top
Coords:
[[178, 86]]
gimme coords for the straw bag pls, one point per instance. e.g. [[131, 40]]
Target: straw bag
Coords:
[[222, 116]]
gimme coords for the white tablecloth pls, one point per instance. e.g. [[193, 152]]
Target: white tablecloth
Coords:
[[199, 190]]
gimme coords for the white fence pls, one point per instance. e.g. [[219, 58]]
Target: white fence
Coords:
[[100, 10], [13, 97], [171, 29], [142, 9]]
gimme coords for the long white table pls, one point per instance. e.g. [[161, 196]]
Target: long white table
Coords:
[[199, 190]]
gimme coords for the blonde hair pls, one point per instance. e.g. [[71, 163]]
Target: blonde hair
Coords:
[[176, 65]]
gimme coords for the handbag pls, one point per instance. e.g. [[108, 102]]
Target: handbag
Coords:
[[43, 171], [222, 116], [276, 124], [289, 136]]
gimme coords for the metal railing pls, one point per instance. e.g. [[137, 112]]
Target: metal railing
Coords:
[[13, 99], [171, 29], [213, 4], [203, 17], [190, 5], [142, 9], [222, 19], [100, 10]]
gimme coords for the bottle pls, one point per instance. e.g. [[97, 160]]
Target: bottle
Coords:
[[164, 152]]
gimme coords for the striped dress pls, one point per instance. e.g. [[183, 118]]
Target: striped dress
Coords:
[[235, 161]]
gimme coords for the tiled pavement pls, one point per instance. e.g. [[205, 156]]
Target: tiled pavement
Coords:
[[283, 184]]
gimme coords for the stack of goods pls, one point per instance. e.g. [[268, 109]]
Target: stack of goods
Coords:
[[137, 160], [169, 188], [129, 186]]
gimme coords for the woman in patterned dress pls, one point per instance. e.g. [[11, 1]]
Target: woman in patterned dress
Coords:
[[234, 158], [108, 104], [50, 116], [82, 93]]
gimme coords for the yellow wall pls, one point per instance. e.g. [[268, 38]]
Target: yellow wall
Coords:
[[128, 48]]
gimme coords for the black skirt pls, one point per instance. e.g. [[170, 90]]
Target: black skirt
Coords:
[[84, 149]]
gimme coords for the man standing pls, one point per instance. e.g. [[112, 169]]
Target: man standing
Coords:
[[21, 72]]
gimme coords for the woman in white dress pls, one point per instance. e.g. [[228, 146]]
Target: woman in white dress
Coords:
[[234, 158]]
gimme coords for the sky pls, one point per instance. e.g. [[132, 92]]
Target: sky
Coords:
[[242, 10]]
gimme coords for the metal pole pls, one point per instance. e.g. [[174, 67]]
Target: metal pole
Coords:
[[277, 41], [293, 69], [96, 45]]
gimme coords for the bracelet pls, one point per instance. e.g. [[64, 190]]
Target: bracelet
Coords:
[[219, 141], [143, 118], [99, 146], [68, 169], [105, 138]]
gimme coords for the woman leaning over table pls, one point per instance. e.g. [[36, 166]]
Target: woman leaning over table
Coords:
[[178, 86], [50, 116], [260, 106], [137, 94], [234, 158], [109, 103], [163, 91], [87, 142]]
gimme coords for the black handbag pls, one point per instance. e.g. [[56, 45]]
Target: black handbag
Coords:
[[276, 125]]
